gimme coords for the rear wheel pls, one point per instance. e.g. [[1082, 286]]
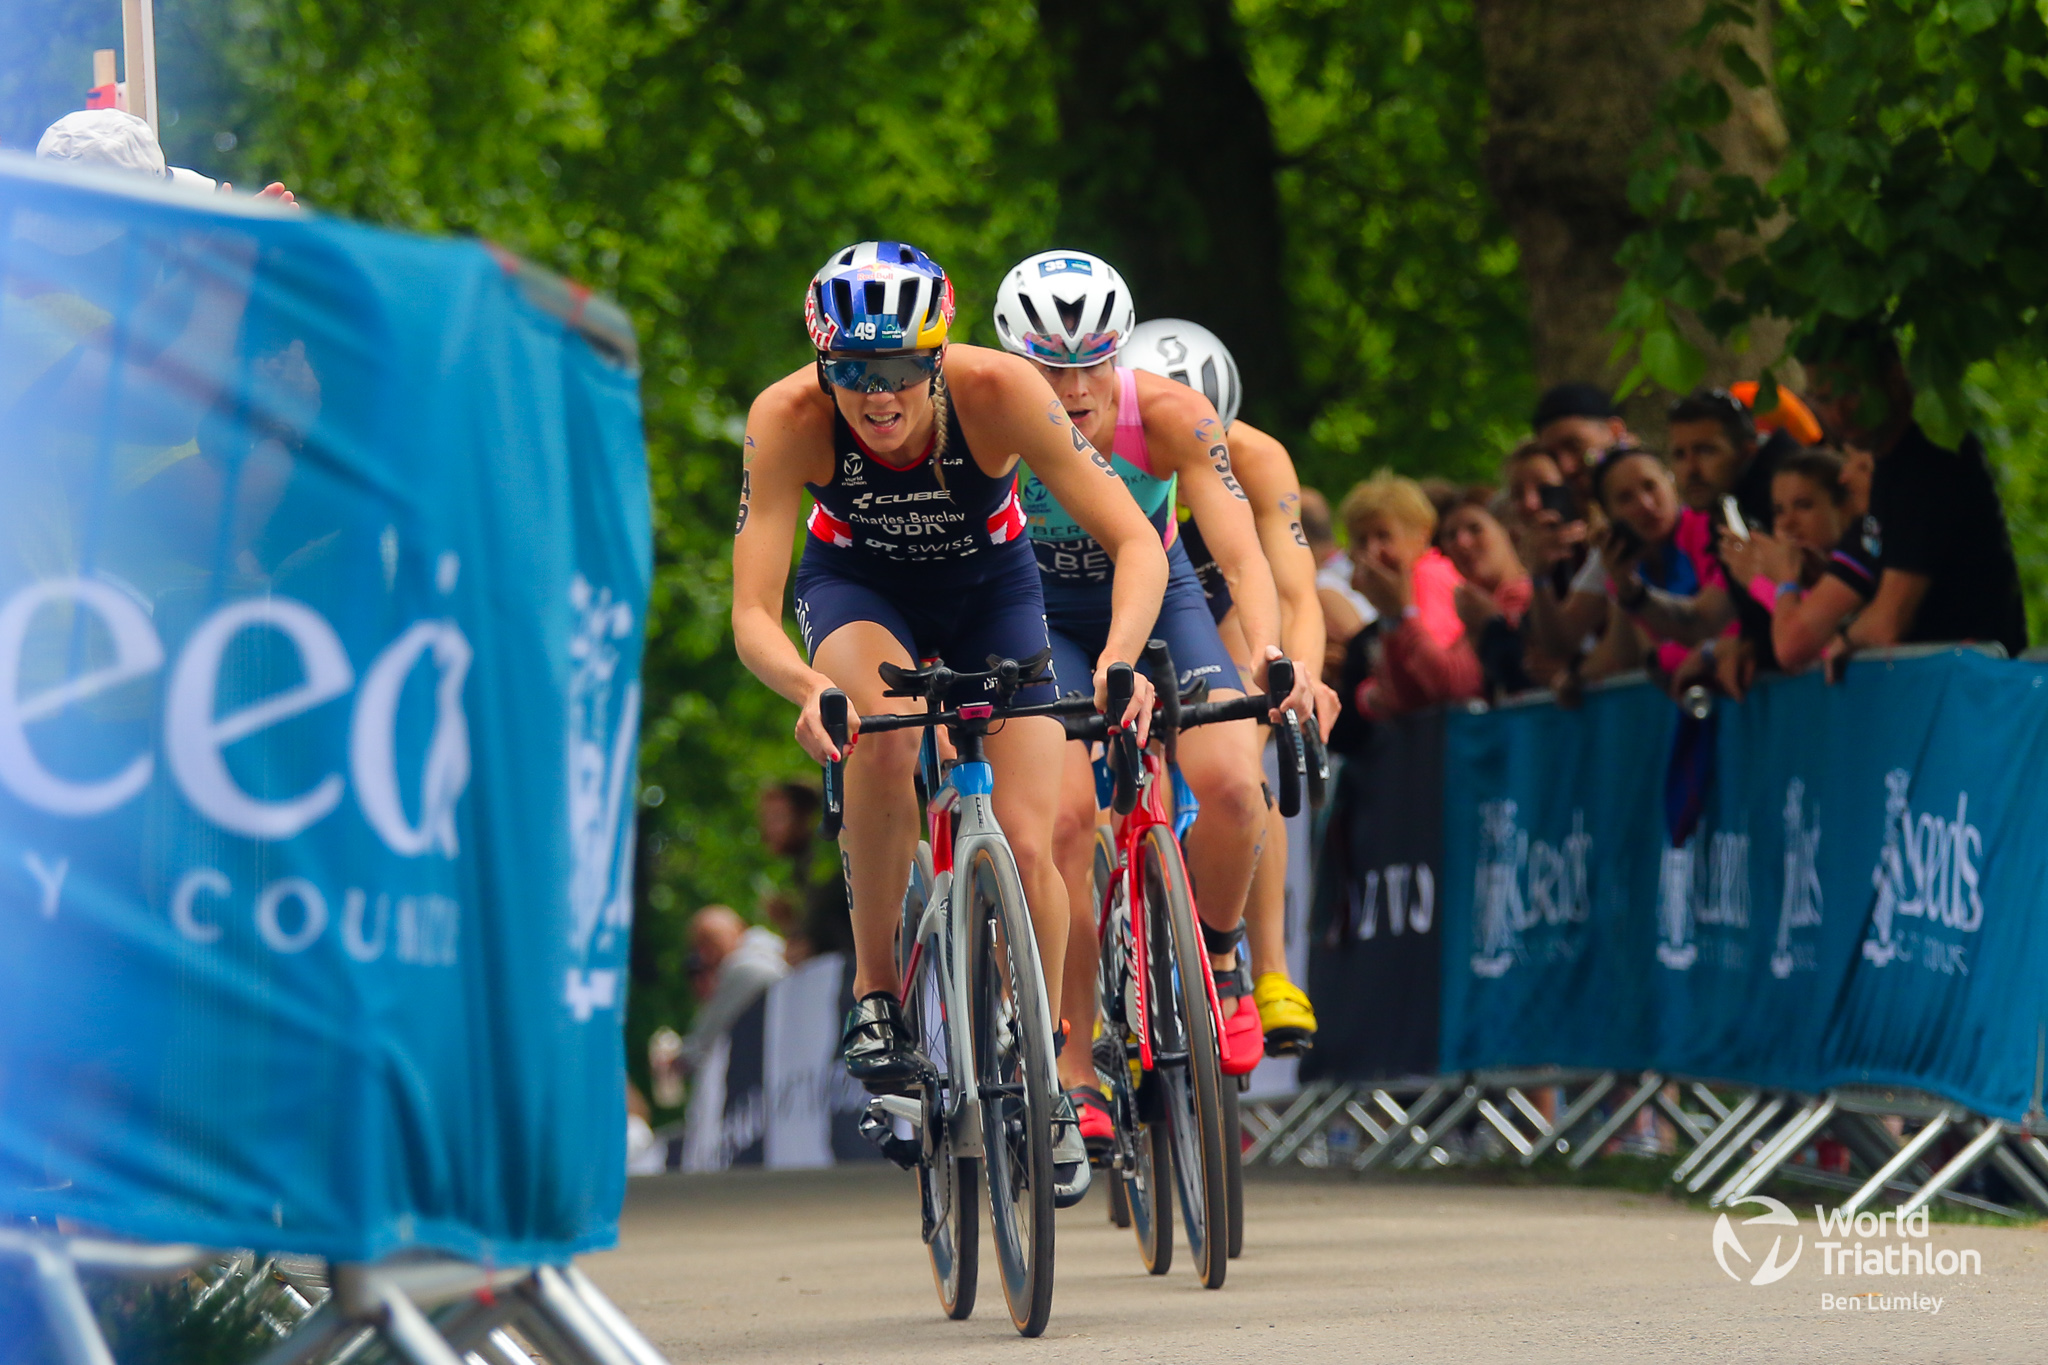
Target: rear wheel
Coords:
[[1187, 1066], [947, 1183], [1013, 1052]]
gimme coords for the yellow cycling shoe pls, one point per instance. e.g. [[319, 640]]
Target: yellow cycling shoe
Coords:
[[1284, 1010]]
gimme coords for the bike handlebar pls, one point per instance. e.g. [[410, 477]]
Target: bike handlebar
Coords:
[[832, 711]]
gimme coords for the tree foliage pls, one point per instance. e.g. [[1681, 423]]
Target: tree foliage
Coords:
[[1914, 190], [1410, 322]]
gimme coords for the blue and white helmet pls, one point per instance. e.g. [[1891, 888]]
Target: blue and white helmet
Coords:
[[1187, 353], [1064, 309], [879, 296]]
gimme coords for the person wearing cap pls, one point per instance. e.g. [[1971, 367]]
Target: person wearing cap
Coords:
[[118, 140], [1576, 424]]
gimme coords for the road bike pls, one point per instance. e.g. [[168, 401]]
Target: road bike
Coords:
[[974, 997], [1159, 1047]]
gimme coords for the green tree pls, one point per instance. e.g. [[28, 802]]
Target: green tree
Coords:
[[1410, 319], [1913, 191]]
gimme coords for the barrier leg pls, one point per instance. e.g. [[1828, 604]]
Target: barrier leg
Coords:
[[1505, 1126], [500, 1349], [1369, 1125], [605, 1311], [1958, 1166], [1709, 1100], [1683, 1121], [1722, 1131], [1289, 1117], [1736, 1145], [408, 1333], [1652, 1082], [314, 1338], [1306, 1128], [1909, 1152], [66, 1312], [1781, 1148], [1560, 1135], [566, 1311], [1405, 1121], [2016, 1171], [1452, 1116]]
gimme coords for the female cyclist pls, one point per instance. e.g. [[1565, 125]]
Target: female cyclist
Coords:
[[1189, 353], [1069, 313], [909, 449]]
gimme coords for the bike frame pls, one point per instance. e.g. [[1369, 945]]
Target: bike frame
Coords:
[[1149, 812], [961, 822]]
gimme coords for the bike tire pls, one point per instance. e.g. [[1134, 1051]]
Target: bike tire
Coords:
[[1013, 1050], [1109, 1018], [1191, 1091], [948, 1184], [1233, 1159]]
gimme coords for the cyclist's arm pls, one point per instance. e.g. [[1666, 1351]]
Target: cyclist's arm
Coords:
[[1006, 405], [1186, 439], [1269, 480], [788, 444]]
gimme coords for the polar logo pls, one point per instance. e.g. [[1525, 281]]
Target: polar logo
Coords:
[[1772, 1270], [197, 733]]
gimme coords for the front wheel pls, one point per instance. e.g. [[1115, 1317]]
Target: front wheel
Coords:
[[1233, 1157], [1187, 1063], [947, 1183], [1013, 1052]]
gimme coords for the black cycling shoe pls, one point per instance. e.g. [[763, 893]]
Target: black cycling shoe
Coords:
[[878, 1048]]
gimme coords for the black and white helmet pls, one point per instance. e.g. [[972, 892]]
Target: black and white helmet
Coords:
[[1064, 309], [1187, 353]]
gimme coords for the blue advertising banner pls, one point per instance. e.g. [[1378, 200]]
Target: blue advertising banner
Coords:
[[324, 555], [1817, 886]]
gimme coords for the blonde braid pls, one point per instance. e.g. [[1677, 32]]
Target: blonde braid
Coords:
[[941, 405]]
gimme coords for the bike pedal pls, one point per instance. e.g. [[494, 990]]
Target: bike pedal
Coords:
[[878, 1126]]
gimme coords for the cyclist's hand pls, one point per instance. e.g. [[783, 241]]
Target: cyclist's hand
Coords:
[[1302, 700], [810, 727], [1327, 706], [1138, 716]]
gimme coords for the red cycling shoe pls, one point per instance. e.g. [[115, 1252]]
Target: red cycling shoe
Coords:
[[1244, 1039], [1098, 1129]]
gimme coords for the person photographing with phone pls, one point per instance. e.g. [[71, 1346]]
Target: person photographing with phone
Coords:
[[1660, 562]]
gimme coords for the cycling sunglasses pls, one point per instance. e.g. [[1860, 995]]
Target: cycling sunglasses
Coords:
[[880, 374], [1093, 349]]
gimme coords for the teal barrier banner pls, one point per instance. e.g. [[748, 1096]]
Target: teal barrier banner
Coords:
[[324, 555], [1816, 886]]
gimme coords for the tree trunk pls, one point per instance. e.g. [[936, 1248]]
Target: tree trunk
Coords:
[[1168, 174], [1574, 87]]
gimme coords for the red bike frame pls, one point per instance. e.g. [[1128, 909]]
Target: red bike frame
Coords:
[[1129, 832]]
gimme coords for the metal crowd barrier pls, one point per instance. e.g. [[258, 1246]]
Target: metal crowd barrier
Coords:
[[1731, 1140], [425, 1310]]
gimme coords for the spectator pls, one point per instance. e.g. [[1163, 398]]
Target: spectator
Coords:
[[1495, 594], [120, 141], [1345, 610], [1423, 656], [1660, 562], [1818, 568], [1715, 452], [818, 912], [1947, 570], [730, 966], [1576, 424]]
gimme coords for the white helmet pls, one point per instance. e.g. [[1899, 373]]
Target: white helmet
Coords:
[[1064, 309], [1188, 353]]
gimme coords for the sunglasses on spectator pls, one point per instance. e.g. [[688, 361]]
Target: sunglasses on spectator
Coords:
[[880, 374]]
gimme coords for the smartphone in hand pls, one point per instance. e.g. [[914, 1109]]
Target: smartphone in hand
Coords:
[[1734, 517]]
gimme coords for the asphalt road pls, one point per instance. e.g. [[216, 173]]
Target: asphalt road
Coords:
[[826, 1266]]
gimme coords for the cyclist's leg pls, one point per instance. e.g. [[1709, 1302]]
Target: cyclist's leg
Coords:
[[1074, 845], [1074, 852], [853, 627], [1220, 762]]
